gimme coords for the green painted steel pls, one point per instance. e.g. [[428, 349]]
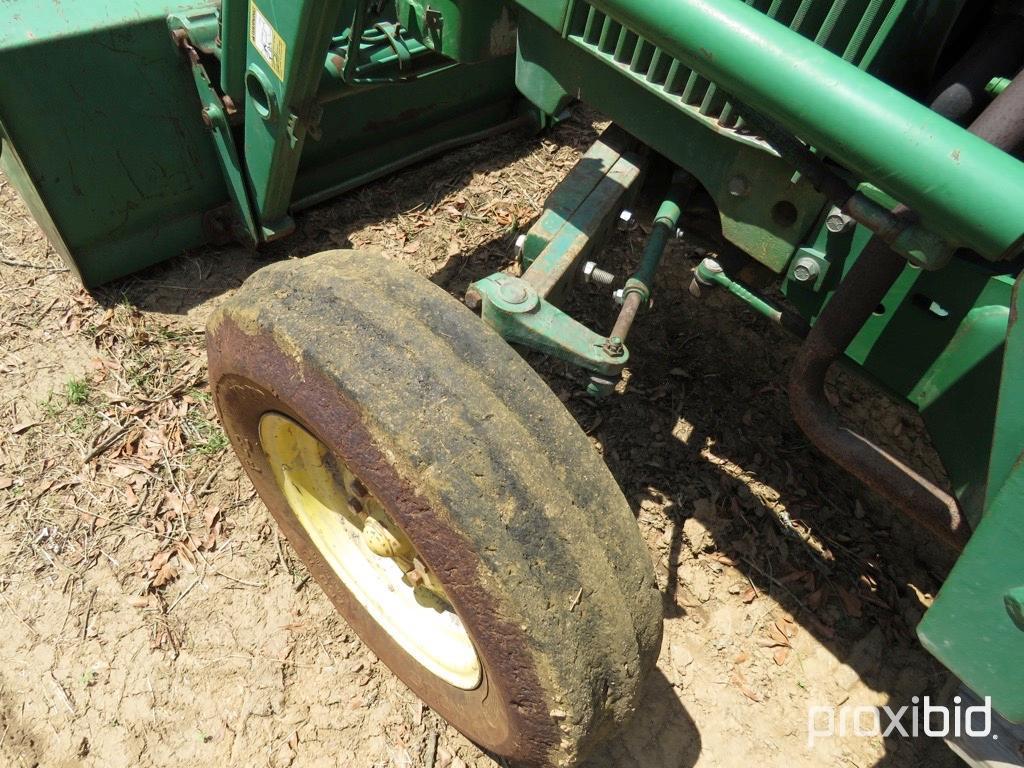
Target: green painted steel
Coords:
[[936, 341], [666, 221], [945, 174], [712, 274], [104, 136], [102, 133], [550, 74], [515, 310], [976, 626], [286, 48]]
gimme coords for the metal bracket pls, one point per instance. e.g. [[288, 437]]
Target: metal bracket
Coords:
[[514, 309], [192, 35]]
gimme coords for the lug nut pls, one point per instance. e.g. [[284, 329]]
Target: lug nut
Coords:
[[618, 297], [594, 274], [625, 220]]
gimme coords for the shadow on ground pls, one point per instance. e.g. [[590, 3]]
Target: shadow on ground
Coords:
[[700, 440]]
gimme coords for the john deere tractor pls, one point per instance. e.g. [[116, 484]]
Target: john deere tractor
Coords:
[[862, 156]]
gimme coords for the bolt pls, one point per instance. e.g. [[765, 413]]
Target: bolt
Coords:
[[838, 222], [997, 85], [625, 220], [594, 274], [520, 245], [614, 347], [513, 292], [619, 296], [474, 299], [207, 120], [806, 270], [739, 186]]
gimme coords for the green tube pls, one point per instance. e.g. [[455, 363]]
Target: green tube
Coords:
[[963, 188], [665, 224]]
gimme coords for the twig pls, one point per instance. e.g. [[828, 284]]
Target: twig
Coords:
[[27, 265], [88, 613], [63, 694], [779, 584], [106, 444], [188, 589], [431, 757], [29, 626]]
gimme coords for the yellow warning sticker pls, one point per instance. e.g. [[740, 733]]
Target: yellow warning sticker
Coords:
[[266, 41]]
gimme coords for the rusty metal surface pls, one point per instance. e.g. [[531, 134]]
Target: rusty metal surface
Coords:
[[1002, 123], [863, 289]]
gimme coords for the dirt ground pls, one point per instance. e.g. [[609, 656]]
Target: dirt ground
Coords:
[[152, 616]]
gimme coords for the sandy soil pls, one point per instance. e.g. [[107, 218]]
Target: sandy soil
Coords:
[[152, 616]]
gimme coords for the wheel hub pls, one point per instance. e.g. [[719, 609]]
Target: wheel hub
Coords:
[[375, 560]]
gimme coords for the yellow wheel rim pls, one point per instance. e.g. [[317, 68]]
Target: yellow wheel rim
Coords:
[[373, 558]]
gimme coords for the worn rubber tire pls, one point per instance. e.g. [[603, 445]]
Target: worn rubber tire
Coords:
[[484, 470]]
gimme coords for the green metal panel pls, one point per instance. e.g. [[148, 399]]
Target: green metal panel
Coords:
[[363, 134], [550, 73], [102, 132], [976, 626], [938, 169], [286, 48], [936, 341]]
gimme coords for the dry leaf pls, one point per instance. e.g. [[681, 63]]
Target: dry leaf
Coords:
[[165, 576], [851, 604], [17, 429], [780, 655], [740, 683], [777, 635], [5, 483]]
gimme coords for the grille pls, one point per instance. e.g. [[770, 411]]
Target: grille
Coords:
[[853, 29]]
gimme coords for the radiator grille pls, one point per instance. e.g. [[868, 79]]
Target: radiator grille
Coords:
[[853, 29]]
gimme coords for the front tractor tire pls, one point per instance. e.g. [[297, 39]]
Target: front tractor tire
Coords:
[[443, 498]]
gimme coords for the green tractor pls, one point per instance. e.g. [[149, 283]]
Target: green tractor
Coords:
[[861, 155]]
